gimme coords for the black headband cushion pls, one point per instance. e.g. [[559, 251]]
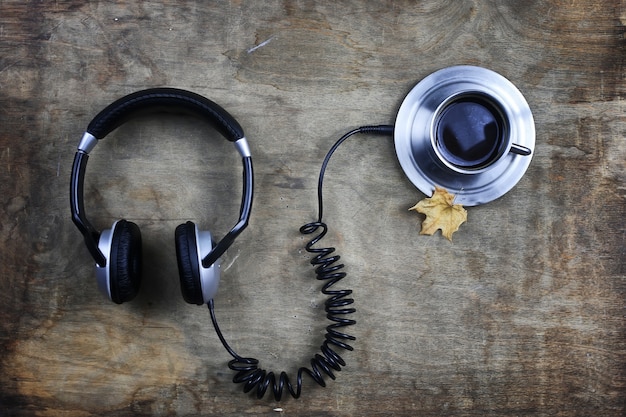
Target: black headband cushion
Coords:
[[171, 100]]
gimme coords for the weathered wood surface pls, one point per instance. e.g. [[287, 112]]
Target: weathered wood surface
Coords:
[[523, 314]]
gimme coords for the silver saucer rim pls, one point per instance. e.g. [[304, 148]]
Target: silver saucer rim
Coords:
[[414, 124]]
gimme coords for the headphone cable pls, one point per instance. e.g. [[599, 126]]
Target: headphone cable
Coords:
[[337, 306]]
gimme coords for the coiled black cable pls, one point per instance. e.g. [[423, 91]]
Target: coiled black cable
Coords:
[[337, 306]]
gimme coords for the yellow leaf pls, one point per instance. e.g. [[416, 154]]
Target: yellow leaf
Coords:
[[441, 213]]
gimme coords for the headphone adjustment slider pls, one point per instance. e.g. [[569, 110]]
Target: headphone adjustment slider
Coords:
[[243, 148], [87, 143]]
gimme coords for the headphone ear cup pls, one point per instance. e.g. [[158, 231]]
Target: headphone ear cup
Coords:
[[188, 263], [126, 262]]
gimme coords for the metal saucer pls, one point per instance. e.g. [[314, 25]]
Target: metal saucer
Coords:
[[418, 145]]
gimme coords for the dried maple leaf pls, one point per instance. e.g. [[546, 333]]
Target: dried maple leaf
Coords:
[[441, 213]]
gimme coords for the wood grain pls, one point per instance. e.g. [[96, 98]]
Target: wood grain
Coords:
[[522, 315]]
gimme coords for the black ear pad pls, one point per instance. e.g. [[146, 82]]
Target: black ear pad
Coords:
[[188, 263], [125, 262]]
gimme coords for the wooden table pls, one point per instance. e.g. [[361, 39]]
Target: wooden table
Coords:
[[521, 315]]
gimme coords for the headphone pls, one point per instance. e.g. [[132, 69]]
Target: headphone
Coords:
[[117, 251]]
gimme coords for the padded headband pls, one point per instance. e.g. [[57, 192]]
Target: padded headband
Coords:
[[158, 99], [164, 99]]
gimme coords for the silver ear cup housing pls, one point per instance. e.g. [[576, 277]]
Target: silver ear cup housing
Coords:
[[466, 129], [209, 277], [103, 273]]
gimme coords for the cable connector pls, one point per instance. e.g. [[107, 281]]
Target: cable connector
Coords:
[[380, 129]]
